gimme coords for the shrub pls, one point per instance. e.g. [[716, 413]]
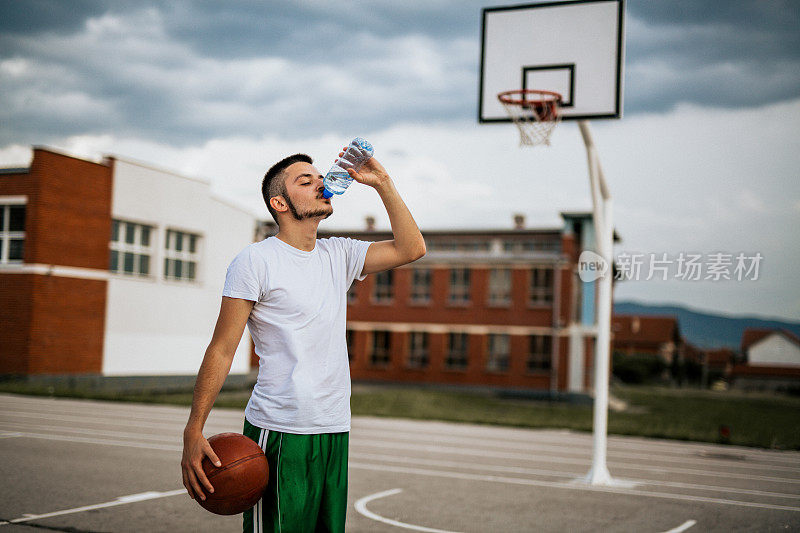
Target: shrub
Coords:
[[638, 368]]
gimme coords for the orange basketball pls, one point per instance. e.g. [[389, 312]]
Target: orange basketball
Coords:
[[241, 479]]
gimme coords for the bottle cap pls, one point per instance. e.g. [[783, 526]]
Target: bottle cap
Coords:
[[326, 193]]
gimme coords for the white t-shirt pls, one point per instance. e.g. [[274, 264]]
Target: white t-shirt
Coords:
[[298, 326]]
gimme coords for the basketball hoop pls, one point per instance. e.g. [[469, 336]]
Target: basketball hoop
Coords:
[[534, 112]]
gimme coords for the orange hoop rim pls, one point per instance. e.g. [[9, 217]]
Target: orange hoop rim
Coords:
[[549, 97]]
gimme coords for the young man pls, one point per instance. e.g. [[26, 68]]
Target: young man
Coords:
[[291, 291]]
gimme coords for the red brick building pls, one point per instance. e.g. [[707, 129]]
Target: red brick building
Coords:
[[107, 270], [497, 308], [56, 212]]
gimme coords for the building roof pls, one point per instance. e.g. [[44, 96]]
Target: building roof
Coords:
[[753, 335], [645, 328]]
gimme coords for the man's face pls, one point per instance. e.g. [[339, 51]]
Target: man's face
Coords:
[[304, 192]]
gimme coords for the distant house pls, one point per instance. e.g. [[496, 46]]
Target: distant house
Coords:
[[717, 364], [653, 335], [771, 360], [719, 361], [112, 269]]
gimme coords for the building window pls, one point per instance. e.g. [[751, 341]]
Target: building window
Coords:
[[421, 285], [540, 353], [499, 286], [380, 348], [384, 289], [459, 246], [131, 248], [352, 294], [459, 285], [457, 346], [350, 337], [180, 261], [541, 286], [539, 245], [498, 353], [418, 350], [12, 232]]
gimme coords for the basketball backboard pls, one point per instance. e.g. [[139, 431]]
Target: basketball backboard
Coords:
[[575, 48]]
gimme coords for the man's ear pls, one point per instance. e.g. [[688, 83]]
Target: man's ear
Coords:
[[278, 204]]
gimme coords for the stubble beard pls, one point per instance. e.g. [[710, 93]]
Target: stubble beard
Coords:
[[311, 213]]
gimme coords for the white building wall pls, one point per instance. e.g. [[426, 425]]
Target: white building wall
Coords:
[[774, 349], [160, 327]]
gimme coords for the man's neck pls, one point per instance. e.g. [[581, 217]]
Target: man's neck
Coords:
[[302, 235]]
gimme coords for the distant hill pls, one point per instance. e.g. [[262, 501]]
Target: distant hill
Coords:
[[706, 330]]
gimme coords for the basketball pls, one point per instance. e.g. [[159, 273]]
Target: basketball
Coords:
[[241, 478]]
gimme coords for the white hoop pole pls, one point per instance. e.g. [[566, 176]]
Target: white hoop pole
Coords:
[[604, 231]]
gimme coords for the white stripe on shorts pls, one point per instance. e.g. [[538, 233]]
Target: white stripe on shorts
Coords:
[[258, 526]]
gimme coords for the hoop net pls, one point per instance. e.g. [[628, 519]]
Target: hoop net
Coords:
[[535, 113]]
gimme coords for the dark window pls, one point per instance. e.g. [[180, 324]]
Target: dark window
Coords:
[[457, 355], [540, 353], [380, 348]]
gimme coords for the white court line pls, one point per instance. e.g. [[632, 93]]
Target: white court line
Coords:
[[510, 434], [506, 443], [361, 507], [477, 443], [414, 460], [458, 475], [560, 485], [147, 422], [561, 474], [683, 527], [428, 448], [88, 440], [550, 459], [584, 439], [122, 500], [163, 437], [446, 427], [585, 456]]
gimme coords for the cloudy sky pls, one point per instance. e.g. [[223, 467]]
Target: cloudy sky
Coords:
[[704, 161]]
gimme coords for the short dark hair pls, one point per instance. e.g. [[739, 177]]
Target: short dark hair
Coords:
[[274, 184]]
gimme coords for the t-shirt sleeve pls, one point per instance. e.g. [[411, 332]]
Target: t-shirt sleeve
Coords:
[[245, 277], [355, 254]]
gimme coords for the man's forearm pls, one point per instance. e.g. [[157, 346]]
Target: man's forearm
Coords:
[[210, 378], [407, 238]]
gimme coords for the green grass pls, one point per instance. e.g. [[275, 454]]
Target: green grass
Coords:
[[759, 420], [754, 419]]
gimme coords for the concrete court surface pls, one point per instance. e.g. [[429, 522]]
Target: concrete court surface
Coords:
[[80, 466]]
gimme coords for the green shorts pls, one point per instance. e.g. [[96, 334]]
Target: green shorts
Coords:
[[307, 489]]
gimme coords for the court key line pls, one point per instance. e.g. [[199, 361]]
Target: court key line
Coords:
[[122, 500], [361, 507]]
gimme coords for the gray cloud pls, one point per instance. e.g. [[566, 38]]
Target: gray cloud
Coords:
[[182, 71]]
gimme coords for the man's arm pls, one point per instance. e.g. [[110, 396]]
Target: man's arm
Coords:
[[408, 244], [233, 315]]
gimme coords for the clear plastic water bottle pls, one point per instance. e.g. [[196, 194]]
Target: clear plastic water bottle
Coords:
[[337, 179]]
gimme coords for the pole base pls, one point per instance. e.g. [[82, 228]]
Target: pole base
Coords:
[[601, 477]]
